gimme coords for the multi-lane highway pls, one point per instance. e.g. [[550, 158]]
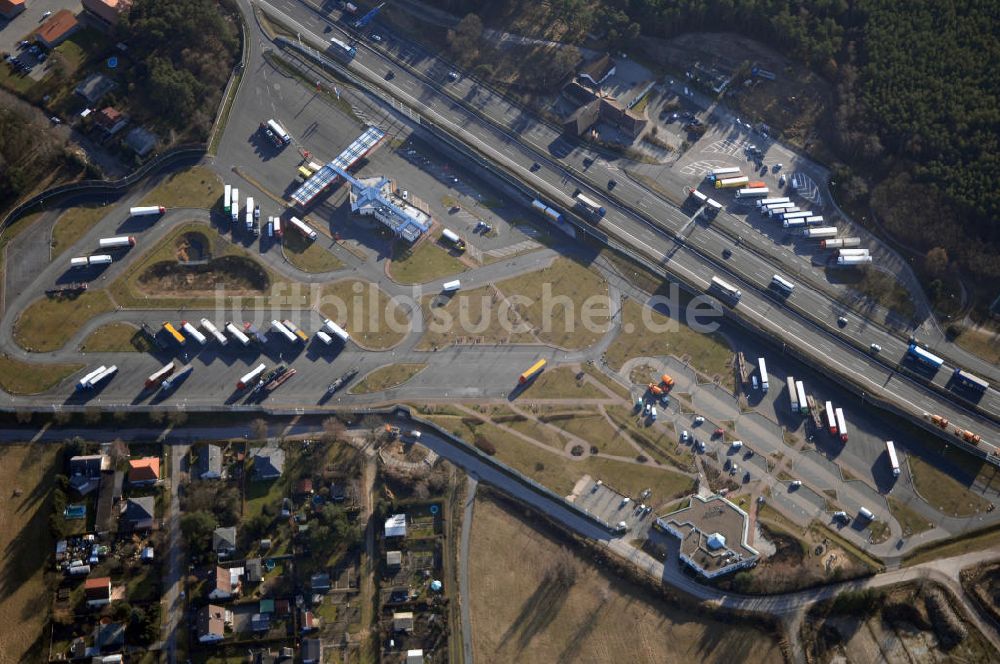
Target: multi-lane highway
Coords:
[[504, 134]]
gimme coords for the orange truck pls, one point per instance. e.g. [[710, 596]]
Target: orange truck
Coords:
[[940, 421], [968, 436], [655, 389], [667, 380]]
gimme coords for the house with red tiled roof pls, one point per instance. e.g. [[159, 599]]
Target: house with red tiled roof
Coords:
[[59, 27], [97, 591], [11, 8], [144, 471], [106, 12], [111, 120]]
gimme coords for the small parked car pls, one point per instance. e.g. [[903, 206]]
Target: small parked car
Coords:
[[795, 484], [699, 420], [718, 432]]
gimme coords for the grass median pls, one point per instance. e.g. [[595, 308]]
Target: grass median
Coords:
[[369, 315], [425, 262], [116, 338], [49, 322], [387, 377], [195, 187], [23, 378], [73, 224], [308, 256]]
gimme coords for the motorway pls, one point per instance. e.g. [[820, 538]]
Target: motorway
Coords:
[[516, 141]]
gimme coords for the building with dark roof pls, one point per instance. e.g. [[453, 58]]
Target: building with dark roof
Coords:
[[212, 623], [139, 513], [210, 462], [597, 71], [714, 535], [224, 541], [57, 29], [110, 120], [106, 13], [85, 472], [268, 463]]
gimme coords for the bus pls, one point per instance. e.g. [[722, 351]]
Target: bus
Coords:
[[762, 368], [782, 284], [721, 173], [800, 391], [278, 134], [924, 356], [966, 379], [727, 289], [890, 449], [342, 49], [831, 417], [227, 197], [172, 331]]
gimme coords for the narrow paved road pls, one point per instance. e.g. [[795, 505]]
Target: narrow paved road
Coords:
[[173, 605], [463, 569]]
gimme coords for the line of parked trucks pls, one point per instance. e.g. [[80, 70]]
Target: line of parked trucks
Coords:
[[251, 216], [116, 243]]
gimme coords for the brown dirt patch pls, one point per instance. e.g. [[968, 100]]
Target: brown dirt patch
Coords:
[[237, 274]]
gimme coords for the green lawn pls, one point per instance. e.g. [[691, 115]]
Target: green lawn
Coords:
[[560, 473], [369, 315], [595, 429], [387, 377], [943, 492], [560, 383], [17, 377], [73, 224], [909, 519], [195, 187], [427, 262], [538, 432], [115, 338], [49, 322], [309, 256], [658, 335]]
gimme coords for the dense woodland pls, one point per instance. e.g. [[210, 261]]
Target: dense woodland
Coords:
[[916, 113], [185, 51]]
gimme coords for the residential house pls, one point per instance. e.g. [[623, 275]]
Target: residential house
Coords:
[[395, 526], [105, 13], [268, 463], [304, 487], [95, 87], [402, 621], [109, 637], [11, 8], [212, 623], [97, 591], [224, 541], [110, 120], [144, 471], [140, 141], [260, 622], [308, 621], [227, 583], [320, 582], [210, 462], [266, 605], [85, 472], [107, 500], [599, 70], [312, 651], [394, 558], [139, 513], [254, 570], [286, 656], [414, 657], [57, 29]]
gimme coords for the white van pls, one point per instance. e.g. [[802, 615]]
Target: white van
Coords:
[[652, 413], [737, 444], [867, 513], [451, 286]]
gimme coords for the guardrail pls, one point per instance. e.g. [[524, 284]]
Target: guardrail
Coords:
[[110, 187]]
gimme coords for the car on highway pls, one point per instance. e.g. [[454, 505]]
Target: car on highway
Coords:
[[535, 166], [875, 348], [699, 420], [842, 321], [453, 75], [727, 252], [612, 184], [376, 37], [46, 15], [389, 75]]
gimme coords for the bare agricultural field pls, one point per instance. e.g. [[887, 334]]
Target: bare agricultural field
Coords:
[[27, 473], [535, 601]]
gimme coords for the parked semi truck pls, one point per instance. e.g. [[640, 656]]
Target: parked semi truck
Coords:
[[551, 213], [820, 232], [237, 334], [172, 331], [193, 332], [532, 372], [336, 330], [294, 329], [890, 450], [452, 236], [840, 243], [762, 369], [848, 261], [752, 192], [278, 327], [234, 209], [160, 375], [85, 382], [147, 210], [178, 378], [85, 261], [251, 377], [302, 227], [831, 418], [254, 333], [732, 183], [116, 242], [214, 331]]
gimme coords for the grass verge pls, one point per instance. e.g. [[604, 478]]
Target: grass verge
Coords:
[[387, 377], [910, 520], [943, 492], [425, 262], [648, 333], [49, 322], [116, 338], [72, 225], [560, 383], [195, 187], [367, 312], [977, 540], [308, 256]]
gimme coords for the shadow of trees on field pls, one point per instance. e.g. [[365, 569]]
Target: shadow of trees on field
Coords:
[[541, 608]]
